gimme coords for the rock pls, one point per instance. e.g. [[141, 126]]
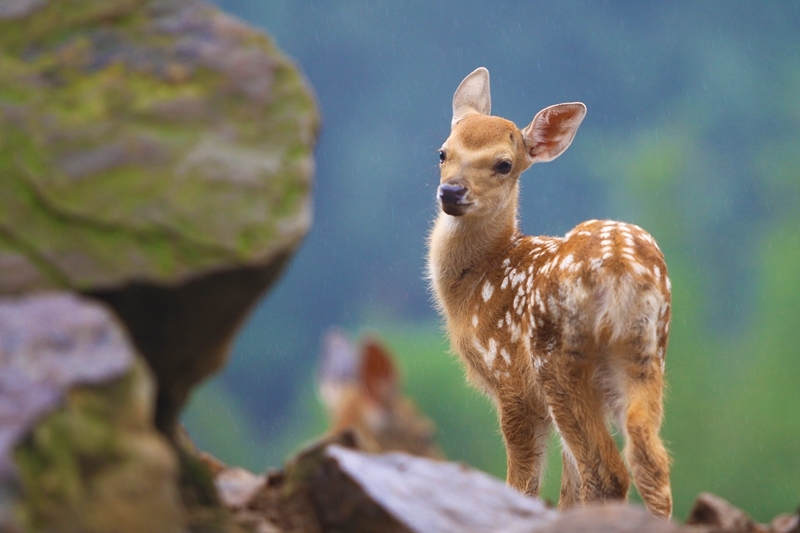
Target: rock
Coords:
[[609, 518], [785, 523], [331, 487], [78, 448], [155, 154], [420, 494], [712, 514]]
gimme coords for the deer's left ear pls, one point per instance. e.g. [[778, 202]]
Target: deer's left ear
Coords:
[[472, 96], [552, 130]]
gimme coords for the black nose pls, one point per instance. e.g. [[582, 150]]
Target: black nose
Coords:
[[451, 194]]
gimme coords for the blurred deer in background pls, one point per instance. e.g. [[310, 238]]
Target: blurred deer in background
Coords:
[[569, 331], [360, 389]]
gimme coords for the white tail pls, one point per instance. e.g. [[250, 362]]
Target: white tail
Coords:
[[565, 331]]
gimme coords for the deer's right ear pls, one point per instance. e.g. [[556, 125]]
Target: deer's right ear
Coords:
[[472, 96]]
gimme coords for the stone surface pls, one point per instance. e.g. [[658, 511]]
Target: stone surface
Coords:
[[419, 494], [48, 344], [145, 140], [332, 487], [712, 514], [78, 447], [157, 155], [609, 518]]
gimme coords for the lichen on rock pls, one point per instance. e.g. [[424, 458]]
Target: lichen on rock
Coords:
[[145, 140], [78, 447]]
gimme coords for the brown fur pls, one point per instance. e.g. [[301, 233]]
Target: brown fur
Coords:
[[569, 332]]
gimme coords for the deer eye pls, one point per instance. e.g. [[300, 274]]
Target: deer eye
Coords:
[[503, 167], [442, 156]]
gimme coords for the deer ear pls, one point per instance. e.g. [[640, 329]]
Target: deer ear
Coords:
[[338, 368], [552, 131], [378, 374], [472, 96]]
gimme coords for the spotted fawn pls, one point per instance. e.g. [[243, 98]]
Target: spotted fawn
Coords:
[[568, 332], [360, 389]]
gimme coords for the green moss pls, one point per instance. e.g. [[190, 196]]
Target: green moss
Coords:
[[72, 463], [58, 20], [99, 183]]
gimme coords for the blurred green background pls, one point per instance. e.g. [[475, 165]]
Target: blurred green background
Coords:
[[693, 132]]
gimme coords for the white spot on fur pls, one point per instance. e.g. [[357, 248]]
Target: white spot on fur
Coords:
[[657, 272], [566, 262], [487, 360], [669, 284], [638, 268], [504, 284], [623, 305], [505, 355], [515, 331], [606, 242], [585, 233], [488, 290], [492, 354], [606, 255], [474, 321]]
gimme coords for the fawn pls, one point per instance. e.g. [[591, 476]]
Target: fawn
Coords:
[[567, 332], [359, 388]]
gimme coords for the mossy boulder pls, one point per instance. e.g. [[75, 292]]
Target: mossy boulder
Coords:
[[78, 447], [156, 155], [145, 140]]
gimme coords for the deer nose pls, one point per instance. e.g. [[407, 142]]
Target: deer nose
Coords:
[[450, 193]]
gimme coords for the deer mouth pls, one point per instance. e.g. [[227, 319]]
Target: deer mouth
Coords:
[[453, 198], [455, 209]]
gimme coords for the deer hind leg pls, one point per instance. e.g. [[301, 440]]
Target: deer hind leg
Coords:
[[570, 481], [577, 411], [525, 427], [644, 450]]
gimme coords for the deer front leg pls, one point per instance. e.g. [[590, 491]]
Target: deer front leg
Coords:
[[525, 427], [578, 415], [644, 450]]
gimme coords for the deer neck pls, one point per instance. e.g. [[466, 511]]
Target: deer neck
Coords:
[[460, 246]]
